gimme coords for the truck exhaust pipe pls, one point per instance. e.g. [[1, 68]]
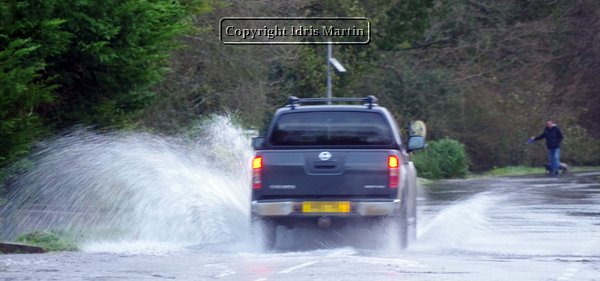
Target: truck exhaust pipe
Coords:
[[324, 222]]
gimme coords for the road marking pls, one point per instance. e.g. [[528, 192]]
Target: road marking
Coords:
[[225, 271], [288, 270], [576, 266], [297, 267], [569, 272]]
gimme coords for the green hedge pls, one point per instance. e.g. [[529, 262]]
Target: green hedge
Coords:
[[444, 158], [79, 61]]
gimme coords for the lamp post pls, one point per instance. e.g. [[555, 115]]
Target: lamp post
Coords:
[[336, 64]]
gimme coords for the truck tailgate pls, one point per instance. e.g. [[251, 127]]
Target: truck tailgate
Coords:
[[325, 173]]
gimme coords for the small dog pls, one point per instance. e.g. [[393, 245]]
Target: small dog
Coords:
[[563, 168]]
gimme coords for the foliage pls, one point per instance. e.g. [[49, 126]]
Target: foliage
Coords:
[[419, 95], [251, 81], [118, 50], [21, 91], [444, 158], [49, 241], [404, 22], [528, 170], [500, 60], [486, 72], [579, 146], [73, 61]]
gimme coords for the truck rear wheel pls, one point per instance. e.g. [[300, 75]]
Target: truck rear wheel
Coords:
[[412, 204], [397, 227], [264, 232]]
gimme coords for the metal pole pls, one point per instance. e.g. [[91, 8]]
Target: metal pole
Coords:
[[329, 72]]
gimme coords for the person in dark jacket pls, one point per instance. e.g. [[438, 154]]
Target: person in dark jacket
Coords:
[[553, 137]]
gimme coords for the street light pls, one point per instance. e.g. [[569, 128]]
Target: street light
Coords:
[[338, 66]]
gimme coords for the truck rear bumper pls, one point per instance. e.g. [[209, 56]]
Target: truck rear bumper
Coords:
[[294, 208]]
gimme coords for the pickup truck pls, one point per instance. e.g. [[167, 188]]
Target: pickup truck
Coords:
[[329, 165]]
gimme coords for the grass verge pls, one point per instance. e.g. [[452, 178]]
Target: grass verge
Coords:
[[49, 241], [527, 170]]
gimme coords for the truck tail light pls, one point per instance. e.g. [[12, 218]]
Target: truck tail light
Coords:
[[257, 165], [394, 171]]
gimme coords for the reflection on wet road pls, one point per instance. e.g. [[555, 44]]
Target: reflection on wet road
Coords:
[[523, 228]]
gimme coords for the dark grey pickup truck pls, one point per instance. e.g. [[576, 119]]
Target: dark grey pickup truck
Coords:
[[330, 165]]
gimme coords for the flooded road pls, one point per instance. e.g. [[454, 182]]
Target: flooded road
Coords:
[[521, 228]]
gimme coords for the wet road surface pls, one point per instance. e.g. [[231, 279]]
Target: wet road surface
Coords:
[[521, 228]]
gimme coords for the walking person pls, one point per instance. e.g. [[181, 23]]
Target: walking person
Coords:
[[553, 137]]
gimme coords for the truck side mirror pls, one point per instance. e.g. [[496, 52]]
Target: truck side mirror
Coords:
[[415, 143], [258, 142]]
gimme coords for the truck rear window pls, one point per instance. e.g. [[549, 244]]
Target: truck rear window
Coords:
[[331, 128]]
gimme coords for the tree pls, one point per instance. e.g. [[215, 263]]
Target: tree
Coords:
[[24, 86], [21, 91], [80, 61], [119, 50]]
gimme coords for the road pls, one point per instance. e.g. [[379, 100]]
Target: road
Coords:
[[519, 228]]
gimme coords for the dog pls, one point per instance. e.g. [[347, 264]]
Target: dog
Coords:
[[563, 168]]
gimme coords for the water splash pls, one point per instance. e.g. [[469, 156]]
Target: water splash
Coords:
[[465, 226], [137, 187]]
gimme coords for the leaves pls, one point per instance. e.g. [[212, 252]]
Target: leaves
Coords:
[[21, 90], [72, 61], [444, 158]]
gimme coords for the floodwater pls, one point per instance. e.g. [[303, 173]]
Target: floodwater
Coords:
[[152, 208]]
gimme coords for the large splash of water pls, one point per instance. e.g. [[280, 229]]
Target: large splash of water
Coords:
[[136, 187], [464, 225]]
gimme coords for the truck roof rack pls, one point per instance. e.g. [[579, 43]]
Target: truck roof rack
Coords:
[[369, 100]]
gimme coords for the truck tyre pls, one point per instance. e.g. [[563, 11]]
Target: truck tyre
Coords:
[[412, 205], [398, 226], [397, 231], [403, 231], [411, 226], [264, 233]]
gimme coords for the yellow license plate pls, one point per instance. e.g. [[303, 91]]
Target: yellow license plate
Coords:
[[326, 207]]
